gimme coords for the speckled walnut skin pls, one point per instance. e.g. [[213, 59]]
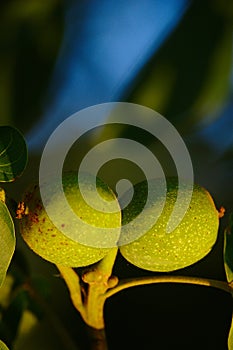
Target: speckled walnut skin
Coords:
[[194, 237], [45, 239]]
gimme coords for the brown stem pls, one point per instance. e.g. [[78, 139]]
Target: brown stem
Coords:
[[97, 339]]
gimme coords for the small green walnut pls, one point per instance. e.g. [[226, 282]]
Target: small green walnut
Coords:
[[45, 239], [189, 242]]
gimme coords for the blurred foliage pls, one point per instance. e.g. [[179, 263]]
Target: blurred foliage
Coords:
[[188, 78], [13, 154], [23, 305], [30, 36]]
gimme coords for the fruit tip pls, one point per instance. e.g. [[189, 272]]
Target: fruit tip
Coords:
[[221, 212], [21, 210]]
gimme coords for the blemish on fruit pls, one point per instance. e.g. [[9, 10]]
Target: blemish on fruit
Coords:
[[34, 219]]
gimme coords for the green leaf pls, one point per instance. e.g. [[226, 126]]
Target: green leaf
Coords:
[[3, 346], [230, 337], [7, 240], [13, 153], [228, 250]]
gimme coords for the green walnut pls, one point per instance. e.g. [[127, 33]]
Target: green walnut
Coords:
[[50, 242], [189, 242]]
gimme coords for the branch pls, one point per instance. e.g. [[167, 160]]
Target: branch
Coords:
[[72, 281], [127, 283]]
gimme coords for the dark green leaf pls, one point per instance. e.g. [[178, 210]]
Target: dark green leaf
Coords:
[[13, 153], [3, 346], [228, 250], [7, 240]]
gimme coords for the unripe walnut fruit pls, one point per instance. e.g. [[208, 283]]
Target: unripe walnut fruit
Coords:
[[45, 239], [190, 241]]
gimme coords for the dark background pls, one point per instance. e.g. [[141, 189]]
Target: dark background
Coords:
[[176, 57]]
